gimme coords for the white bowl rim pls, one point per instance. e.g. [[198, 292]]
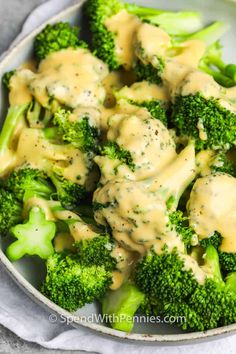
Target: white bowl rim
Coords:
[[170, 339]]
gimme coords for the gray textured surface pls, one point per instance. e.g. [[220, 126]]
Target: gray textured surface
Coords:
[[12, 15]]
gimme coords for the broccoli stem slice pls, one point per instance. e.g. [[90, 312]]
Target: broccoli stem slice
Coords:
[[121, 305], [33, 238]]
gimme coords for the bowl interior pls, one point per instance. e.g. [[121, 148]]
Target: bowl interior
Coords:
[[31, 268]]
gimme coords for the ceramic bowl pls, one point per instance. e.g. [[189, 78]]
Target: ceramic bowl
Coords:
[[29, 272]]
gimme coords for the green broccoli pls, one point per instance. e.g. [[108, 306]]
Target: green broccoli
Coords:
[[71, 284], [70, 194], [38, 116], [202, 117], [56, 37], [146, 95], [121, 305], [97, 251], [15, 115], [33, 237], [112, 150], [227, 259], [174, 291], [104, 41], [27, 182], [213, 64], [10, 211], [150, 66], [81, 133], [131, 214], [181, 224], [222, 163]]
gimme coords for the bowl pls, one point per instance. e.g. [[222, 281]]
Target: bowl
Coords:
[[29, 272]]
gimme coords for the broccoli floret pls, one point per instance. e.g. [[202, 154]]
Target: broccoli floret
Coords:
[[163, 276], [71, 284], [154, 192], [112, 150], [194, 114], [104, 41], [97, 251], [155, 108], [69, 194], [56, 37], [80, 133], [28, 182], [227, 259], [6, 79], [174, 291], [121, 305], [33, 237], [222, 164], [150, 65], [146, 71], [181, 225], [10, 211], [146, 95], [17, 114]]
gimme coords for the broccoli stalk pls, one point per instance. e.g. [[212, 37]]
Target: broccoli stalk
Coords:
[[227, 259], [15, 115], [121, 305], [213, 64], [35, 114], [230, 282], [33, 238]]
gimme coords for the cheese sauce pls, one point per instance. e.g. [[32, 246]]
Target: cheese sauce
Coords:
[[34, 150], [144, 91], [212, 207], [123, 26], [137, 211], [71, 76], [147, 139]]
